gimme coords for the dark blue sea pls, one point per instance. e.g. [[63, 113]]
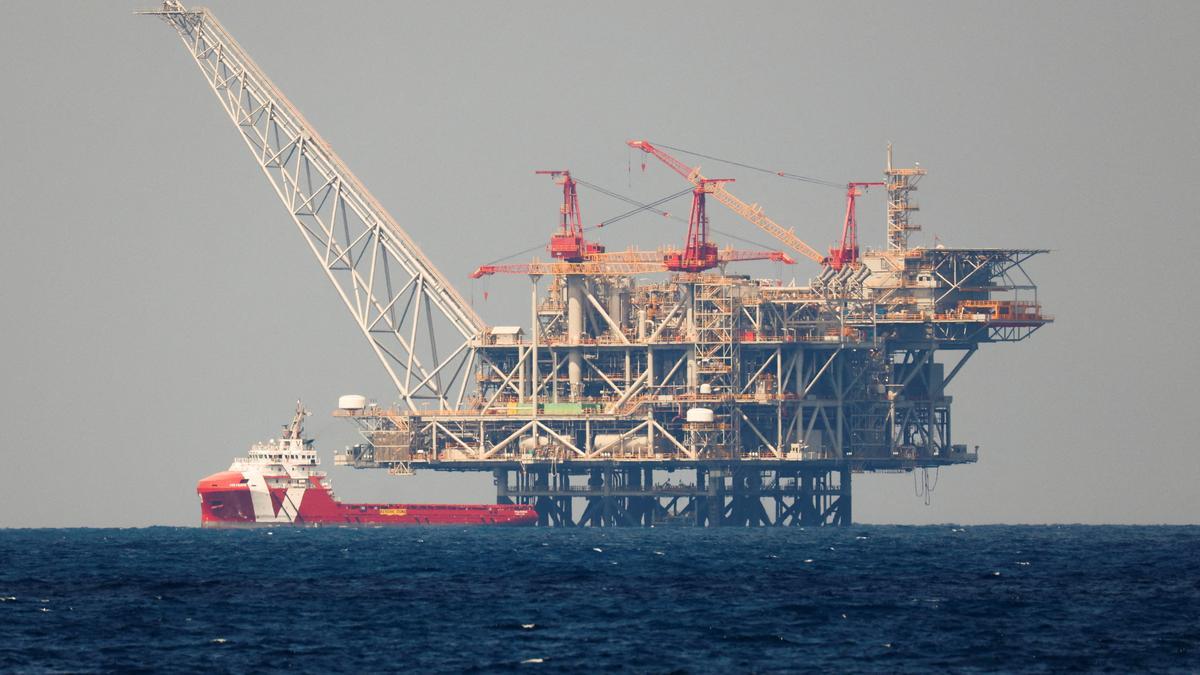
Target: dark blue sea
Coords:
[[865, 598]]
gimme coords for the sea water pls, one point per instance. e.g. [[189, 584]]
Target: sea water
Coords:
[[863, 598]]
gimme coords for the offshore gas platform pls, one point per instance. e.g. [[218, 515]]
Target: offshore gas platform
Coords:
[[634, 365]]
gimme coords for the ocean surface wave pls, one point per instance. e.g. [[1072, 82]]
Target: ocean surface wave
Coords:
[[864, 598]]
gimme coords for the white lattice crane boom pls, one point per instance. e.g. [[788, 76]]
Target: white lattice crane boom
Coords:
[[398, 298]]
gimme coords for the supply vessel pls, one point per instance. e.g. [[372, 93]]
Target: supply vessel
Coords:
[[278, 483]]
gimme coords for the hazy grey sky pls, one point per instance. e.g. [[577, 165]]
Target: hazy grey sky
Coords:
[[161, 313]]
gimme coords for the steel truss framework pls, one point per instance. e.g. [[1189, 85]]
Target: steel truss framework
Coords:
[[616, 494], [772, 395], [796, 384]]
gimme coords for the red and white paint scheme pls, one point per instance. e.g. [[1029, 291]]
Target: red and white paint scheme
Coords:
[[279, 484]]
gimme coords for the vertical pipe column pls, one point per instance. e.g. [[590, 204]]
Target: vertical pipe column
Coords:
[[689, 328], [543, 503], [565, 500], [652, 497], [650, 383], [523, 356], [810, 504], [845, 513], [632, 479], [616, 307], [501, 478], [533, 342], [716, 497], [575, 299]]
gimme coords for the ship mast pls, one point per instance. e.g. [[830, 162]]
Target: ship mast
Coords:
[[296, 428]]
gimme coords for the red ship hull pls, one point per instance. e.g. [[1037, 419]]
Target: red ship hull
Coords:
[[230, 499]]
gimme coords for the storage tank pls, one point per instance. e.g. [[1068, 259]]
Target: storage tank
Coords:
[[614, 443], [706, 388], [700, 415], [352, 402], [527, 444]]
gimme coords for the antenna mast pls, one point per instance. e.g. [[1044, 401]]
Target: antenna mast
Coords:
[[900, 183]]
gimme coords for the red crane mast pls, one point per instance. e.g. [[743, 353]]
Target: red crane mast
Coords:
[[698, 253], [846, 253], [568, 243]]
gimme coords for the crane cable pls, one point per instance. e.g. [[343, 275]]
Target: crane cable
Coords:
[[782, 174], [924, 489], [638, 208], [650, 207], [633, 202]]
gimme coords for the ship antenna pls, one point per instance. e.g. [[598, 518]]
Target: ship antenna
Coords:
[[296, 428]]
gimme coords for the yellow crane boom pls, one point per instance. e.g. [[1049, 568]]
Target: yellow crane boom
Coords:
[[751, 212]]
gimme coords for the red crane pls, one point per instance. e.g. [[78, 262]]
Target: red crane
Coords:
[[575, 255], [847, 252], [698, 253], [751, 212], [568, 243]]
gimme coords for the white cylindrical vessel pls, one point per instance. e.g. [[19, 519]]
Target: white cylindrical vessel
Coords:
[[614, 442], [526, 444], [575, 301], [352, 402], [700, 415]]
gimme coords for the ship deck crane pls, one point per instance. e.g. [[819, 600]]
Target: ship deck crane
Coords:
[[751, 212]]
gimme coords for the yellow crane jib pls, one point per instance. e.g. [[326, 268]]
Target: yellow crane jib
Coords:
[[752, 213]]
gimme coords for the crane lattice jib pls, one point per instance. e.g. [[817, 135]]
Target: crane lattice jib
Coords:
[[754, 214], [399, 299], [587, 267], [751, 212], [728, 254]]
